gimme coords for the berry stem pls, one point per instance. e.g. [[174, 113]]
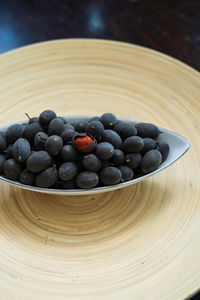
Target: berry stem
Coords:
[[27, 116]]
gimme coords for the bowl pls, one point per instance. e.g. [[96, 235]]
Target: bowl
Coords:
[[178, 147]]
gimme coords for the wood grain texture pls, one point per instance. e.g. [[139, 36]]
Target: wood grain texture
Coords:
[[141, 242]]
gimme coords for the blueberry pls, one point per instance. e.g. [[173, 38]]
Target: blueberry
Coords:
[[46, 117], [92, 163], [12, 169], [133, 144], [95, 128], [53, 144], [163, 148], [147, 130], [94, 119], [150, 161], [67, 135], [118, 157], [87, 180], [63, 119], [69, 153], [8, 151], [38, 161], [109, 120], [2, 161], [21, 150], [149, 144], [81, 126], [31, 130], [13, 133], [2, 144], [133, 160], [32, 120], [3, 133], [27, 177], [112, 137], [39, 140], [127, 173], [125, 130], [67, 171], [104, 150], [69, 126], [47, 178], [56, 127], [110, 176]]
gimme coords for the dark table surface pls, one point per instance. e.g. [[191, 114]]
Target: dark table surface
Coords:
[[169, 26]]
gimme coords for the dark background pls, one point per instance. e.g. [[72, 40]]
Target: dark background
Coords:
[[169, 26]]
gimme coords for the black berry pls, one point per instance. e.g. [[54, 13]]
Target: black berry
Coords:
[[87, 180], [110, 176]]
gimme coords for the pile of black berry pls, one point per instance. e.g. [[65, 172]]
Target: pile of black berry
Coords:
[[49, 152]]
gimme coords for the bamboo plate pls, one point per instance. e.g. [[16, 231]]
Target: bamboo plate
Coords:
[[140, 242]]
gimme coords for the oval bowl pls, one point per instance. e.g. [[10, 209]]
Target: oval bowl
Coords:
[[178, 147]]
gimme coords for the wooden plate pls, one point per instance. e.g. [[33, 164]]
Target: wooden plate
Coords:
[[141, 242]]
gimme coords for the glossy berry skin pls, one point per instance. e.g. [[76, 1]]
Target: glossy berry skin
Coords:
[[2, 144], [133, 144], [96, 118], [39, 140], [95, 129], [118, 157], [133, 160], [2, 161], [69, 126], [38, 161], [56, 127], [80, 126], [31, 130], [109, 120], [46, 117], [67, 171], [63, 119], [21, 150], [27, 178], [104, 150], [110, 176], [87, 180], [149, 144], [67, 135], [127, 173], [150, 161], [12, 169], [147, 130], [13, 133], [69, 153], [163, 147], [47, 178], [2, 133], [8, 151], [91, 163], [33, 120], [53, 145], [112, 137], [125, 130]]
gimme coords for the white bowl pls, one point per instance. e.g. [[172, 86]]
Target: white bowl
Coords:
[[178, 147]]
